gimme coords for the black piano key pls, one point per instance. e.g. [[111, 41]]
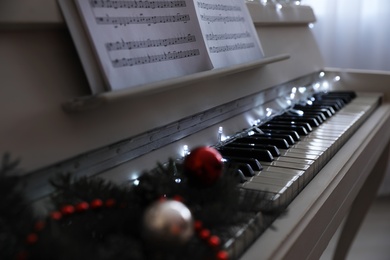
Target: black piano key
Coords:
[[240, 175], [346, 96], [254, 163], [330, 110], [347, 93], [335, 97], [271, 148], [336, 104], [259, 154], [278, 142], [246, 169], [303, 124], [312, 121], [290, 140], [320, 117], [237, 172], [331, 100], [291, 133], [299, 129], [309, 110]]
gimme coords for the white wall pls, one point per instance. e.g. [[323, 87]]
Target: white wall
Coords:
[[354, 34]]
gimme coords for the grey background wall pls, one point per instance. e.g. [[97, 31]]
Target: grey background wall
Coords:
[[354, 34]]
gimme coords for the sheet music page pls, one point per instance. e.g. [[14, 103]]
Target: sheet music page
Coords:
[[139, 42], [228, 31]]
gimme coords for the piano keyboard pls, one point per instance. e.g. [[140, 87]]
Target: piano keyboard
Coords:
[[280, 157]]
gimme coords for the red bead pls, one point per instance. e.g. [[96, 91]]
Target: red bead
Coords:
[[96, 203], [82, 206], [198, 225], [110, 203], [67, 210], [32, 238], [222, 255], [56, 215], [204, 165], [39, 225], [204, 234], [214, 241]]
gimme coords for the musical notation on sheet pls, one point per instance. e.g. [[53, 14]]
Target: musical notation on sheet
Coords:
[[122, 45], [223, 19], [234, 47], [149, 20], [229, 33], [136, 4], [226, 36], [218, 7], [124, 62], [139, 42]]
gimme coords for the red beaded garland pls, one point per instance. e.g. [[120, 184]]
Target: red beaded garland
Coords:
[[198, 225], [32, 238], [82, 206], [39, 225], [204, 234], [222, 255], [67, 209], [110, 203], [96, 203], [56, 215], [214, 241]]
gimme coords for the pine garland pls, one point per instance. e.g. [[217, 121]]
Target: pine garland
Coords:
[[113, 229], [15, 213]]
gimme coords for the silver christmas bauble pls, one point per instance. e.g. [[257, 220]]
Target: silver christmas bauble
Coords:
[[168, 224]]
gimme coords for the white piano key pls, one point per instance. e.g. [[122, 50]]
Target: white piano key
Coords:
[[291, 188], [292, 173], [291, 180], [244, 235], [276, 194]]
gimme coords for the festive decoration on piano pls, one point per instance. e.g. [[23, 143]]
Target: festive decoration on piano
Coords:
[[15, 213], [91, 218], [167, 223], [203, 166]]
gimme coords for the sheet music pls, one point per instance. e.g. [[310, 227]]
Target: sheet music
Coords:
[[228, 31], [139, 42]]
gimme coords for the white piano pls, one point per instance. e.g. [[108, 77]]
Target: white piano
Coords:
[[50, 120]]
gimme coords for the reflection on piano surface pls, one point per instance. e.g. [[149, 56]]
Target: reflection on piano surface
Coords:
[[323, 168]]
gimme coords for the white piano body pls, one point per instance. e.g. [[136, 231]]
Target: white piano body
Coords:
[[47, 121]]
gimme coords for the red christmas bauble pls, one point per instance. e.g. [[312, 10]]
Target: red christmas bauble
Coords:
[[204, 165]]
